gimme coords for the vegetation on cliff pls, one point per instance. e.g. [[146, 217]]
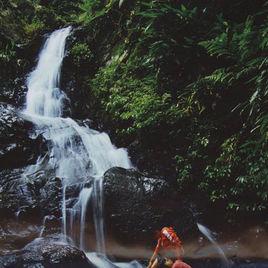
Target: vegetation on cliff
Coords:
[[184, 82]]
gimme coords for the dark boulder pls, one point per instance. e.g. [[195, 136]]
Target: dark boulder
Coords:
[[46, 252], [137, 206], [17, 148]]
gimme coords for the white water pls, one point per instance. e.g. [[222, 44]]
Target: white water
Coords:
[[101, 261], [76, 153], [97, 214], [208, 234], [43, 96]]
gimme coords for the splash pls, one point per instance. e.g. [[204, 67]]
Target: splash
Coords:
[[208, 234]]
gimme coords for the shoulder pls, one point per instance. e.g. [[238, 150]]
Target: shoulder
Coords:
[[180, 264]]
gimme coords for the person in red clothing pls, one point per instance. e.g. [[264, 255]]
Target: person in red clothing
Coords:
[[168, 251]]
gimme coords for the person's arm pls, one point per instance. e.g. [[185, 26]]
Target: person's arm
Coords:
[[153, 260], [179, 252], [182, 251], [155, 264]]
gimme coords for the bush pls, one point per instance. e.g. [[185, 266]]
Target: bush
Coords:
[[200, 79]]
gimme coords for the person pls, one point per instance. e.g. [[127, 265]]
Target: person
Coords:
[[168, 251]]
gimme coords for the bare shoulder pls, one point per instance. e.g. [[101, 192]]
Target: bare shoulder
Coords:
[[180, 264]]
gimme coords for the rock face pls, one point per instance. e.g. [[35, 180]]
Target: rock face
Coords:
[[30, 198], [13, 91], [17, 149], [14, 71], [46, 252], [137, 206]]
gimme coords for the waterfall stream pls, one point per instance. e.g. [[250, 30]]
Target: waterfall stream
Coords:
[[76, 153]]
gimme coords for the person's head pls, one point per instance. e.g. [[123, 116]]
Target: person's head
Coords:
[[169, 238], [171, 245]]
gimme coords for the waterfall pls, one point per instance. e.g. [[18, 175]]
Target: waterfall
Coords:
[[97, 214], [43, 96], [83, 200], [76, 153]]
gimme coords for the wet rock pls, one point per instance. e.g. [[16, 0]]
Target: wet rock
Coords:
[[13, 91], [75, 70], [46, 252], [12, 75], [46, 192], [90, 124], [29, 197], [24, 196], [51, 225], [16, 234], [137, 206], [17, 148], [14, 195]]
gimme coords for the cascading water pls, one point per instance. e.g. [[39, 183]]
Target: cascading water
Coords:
[[98, 212], [44, 97], [76, 153]]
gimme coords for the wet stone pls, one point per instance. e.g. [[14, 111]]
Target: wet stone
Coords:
[[46, 252]]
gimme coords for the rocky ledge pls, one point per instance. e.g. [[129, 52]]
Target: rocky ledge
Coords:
[[17, 148], [46, 252]]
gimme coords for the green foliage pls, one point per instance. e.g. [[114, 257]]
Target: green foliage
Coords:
[[237, 178], [7, 53], [87, 10], [80, 53], [34, 28], [131, 99], [91, 9], [21, 22], [203, 79]]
